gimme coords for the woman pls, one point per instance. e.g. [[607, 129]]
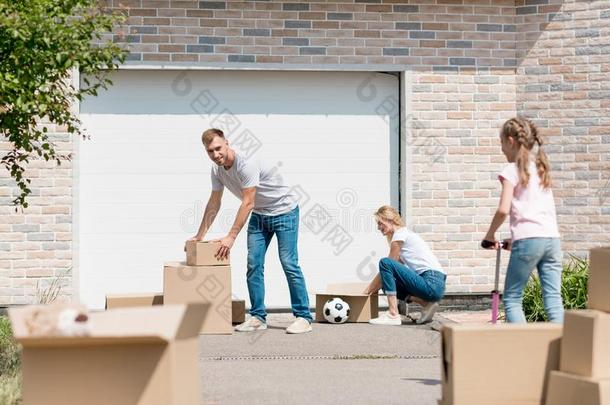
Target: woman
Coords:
[[411, 271]]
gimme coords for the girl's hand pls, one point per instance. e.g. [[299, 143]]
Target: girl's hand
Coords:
[[490, 243]]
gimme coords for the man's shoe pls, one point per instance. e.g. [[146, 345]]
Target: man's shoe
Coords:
[[387, 319], [251, 325], [301, 325]]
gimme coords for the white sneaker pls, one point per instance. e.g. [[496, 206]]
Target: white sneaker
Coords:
[[301, 325], [427, 313], [387, 319], [251, 325]]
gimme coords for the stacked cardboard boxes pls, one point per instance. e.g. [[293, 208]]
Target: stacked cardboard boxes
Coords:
[[204, 279], [584, 376], [201, 279]]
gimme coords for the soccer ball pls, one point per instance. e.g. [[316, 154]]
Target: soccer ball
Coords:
[[336, 311]]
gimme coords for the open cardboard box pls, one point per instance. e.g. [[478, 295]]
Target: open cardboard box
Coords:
[[133, 356], [504, 364], [114, 301], [569, 389], [202, 254], [206, 284], [362, 307]]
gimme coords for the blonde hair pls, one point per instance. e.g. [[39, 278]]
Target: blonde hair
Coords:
[[525, 134], [209, 134], [389, 214]]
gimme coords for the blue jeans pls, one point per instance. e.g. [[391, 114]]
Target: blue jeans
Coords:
[[397, 279], [261, 229], [527, 254]]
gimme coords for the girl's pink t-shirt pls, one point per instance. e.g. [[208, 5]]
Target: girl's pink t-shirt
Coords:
[[532, 212]]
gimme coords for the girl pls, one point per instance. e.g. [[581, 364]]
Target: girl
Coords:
[[527, 197], [410, 271]]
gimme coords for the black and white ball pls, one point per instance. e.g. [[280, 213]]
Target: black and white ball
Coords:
[[336, 311]]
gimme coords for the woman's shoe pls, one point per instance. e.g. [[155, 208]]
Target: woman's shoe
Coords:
[[427, 313], [387, 319]]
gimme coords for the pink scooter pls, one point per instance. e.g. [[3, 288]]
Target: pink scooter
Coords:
[[495, 294]]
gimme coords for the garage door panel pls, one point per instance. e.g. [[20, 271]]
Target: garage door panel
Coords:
[[144, 176]]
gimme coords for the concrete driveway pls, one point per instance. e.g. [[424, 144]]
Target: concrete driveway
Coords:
[[355, 363]]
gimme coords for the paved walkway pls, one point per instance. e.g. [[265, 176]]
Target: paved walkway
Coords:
[[356, 363]]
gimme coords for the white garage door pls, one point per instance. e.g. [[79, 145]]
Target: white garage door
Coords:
[[144, 176]]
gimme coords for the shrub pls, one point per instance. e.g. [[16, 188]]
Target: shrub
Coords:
[[573, 290], [10, 374]]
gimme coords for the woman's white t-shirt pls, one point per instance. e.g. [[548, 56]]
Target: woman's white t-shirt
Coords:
[[415, 252]]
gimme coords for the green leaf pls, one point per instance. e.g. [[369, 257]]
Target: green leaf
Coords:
[[46, 39]]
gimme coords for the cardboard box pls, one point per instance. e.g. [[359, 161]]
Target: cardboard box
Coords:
[[362, 307], [238, 311], [599, 279], [207, 284], [135, 356], [502, 364], [568, 389], [202, 254], [114, 301], [585, 347]]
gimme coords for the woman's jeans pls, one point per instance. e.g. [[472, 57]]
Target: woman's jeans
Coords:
[[261, 229], [527, 254], [397, 279]]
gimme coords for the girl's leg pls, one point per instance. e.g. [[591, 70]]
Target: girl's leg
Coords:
[[549, 271], [524, 256]]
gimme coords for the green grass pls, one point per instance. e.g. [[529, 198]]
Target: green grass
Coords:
[[573, 290], [10, 364]]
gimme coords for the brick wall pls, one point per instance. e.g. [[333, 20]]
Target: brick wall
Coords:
[[473, 63], [36, 243], [454, 198], [413, 34], [563, 83]]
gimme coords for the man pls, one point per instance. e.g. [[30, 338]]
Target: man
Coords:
[[274, 211]]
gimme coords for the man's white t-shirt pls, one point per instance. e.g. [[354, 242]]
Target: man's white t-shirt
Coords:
[[415, 252], [272, 196]]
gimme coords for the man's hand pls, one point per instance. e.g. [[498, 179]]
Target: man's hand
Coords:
[[195, 238], [226, 244]]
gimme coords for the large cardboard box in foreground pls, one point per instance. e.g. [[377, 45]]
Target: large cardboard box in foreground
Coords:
[[207, 284], [202, 254], [585, 347], [362, 307], [599, 279], [505, 364], [133, 356], [114, 301], [569, 389]]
